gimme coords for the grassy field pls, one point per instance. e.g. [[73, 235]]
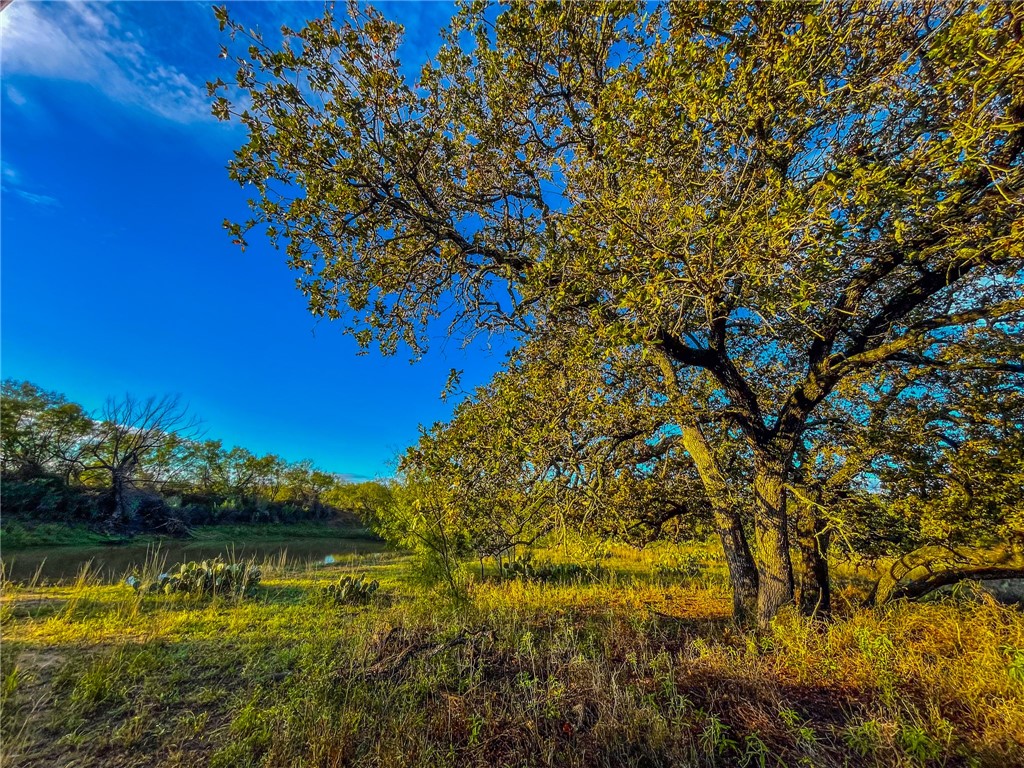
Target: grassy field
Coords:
[[636, 665]]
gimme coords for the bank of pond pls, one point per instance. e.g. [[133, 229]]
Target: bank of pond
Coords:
[[110, 557]]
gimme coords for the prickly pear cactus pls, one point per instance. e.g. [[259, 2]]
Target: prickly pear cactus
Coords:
[[208, 577], [351, 591]]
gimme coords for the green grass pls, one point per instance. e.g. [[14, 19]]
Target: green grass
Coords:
[[15, 535], [632, 668]]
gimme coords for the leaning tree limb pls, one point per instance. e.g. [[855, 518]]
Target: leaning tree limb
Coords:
[[922, 572], [918, 588]]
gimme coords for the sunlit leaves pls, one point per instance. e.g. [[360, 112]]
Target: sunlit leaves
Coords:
[[776, 197]]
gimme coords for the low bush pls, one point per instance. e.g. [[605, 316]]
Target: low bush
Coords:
[[527, 569], [48, 499], [680, 566]]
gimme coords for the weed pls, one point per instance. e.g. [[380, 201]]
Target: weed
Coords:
[[918, 743], [863, 738], [714, 739]]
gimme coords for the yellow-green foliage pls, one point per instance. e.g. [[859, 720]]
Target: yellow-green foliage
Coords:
[[630, 669]]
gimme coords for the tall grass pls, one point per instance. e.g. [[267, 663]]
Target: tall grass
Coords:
[[633, 668]]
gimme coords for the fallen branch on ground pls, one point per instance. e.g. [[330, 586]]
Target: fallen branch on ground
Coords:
[[392, 666]]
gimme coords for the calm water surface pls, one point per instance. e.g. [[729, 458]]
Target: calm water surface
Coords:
[[61, 563]]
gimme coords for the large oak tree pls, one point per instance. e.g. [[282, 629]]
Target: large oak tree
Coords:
[[764, 199]]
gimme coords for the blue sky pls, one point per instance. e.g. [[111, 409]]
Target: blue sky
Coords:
[[115, 273]]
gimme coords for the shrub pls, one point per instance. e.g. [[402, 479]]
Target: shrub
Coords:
[[209, 577], [196, 514], [526, 569], [47, 498], [680, 566], [419, 518], [349, 591]]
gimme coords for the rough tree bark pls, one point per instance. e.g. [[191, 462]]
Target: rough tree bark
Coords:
[[743, 574], [814, 596], [924, 570], [774, 566], [918, 588]]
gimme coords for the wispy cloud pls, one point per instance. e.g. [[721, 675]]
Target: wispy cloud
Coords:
[[12, 185], [92, 43], [9, 173], [32, 197], [15, 96]]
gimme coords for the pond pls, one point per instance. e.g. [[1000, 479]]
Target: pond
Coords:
[[62, 563]]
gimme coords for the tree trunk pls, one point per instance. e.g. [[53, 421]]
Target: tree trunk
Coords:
[[774, 566], [742, 573], [814, 595], [117, 484]]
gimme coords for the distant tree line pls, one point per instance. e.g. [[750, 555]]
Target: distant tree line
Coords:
[[141, 464]]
